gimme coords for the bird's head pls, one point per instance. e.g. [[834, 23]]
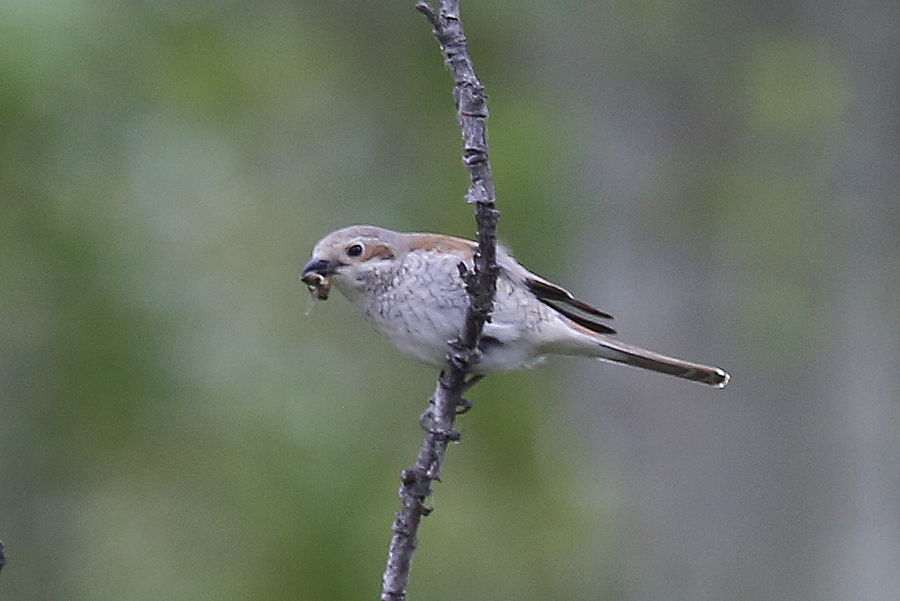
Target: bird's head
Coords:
[[348, 257]]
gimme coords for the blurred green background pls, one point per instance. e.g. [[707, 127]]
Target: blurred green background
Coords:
[[721, 176]]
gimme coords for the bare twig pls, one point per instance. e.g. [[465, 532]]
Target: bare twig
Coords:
[[447, 401]]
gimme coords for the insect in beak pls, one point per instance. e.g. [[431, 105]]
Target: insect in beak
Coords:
[[315, 276]]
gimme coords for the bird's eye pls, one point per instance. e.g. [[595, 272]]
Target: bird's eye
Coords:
[[354, 250]]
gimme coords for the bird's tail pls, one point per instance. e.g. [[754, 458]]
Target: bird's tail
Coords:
[[608, 348], [617, 351]]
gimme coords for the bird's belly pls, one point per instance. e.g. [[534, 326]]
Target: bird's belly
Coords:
[[495, 356], [423, 349], [500, 357], [422, 319], [423, 332], [427, 339]]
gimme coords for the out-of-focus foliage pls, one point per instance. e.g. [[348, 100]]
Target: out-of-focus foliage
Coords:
[[721, 176]]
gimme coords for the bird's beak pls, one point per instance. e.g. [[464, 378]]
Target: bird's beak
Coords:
[[316, 266], [316, 275]]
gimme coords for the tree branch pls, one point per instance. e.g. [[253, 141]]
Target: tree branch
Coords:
[[447, 401]]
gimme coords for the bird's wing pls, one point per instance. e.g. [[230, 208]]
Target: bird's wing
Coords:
[[555, 297], [562, 300]]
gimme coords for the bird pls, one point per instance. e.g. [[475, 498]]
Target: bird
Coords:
[[411, 287]]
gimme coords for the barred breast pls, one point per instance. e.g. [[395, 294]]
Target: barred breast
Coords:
[[419, 305]]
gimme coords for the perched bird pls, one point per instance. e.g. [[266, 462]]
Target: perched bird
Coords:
[[410, 287]]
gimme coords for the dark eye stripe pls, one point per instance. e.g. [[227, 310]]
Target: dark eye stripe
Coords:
[[378, 251]]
